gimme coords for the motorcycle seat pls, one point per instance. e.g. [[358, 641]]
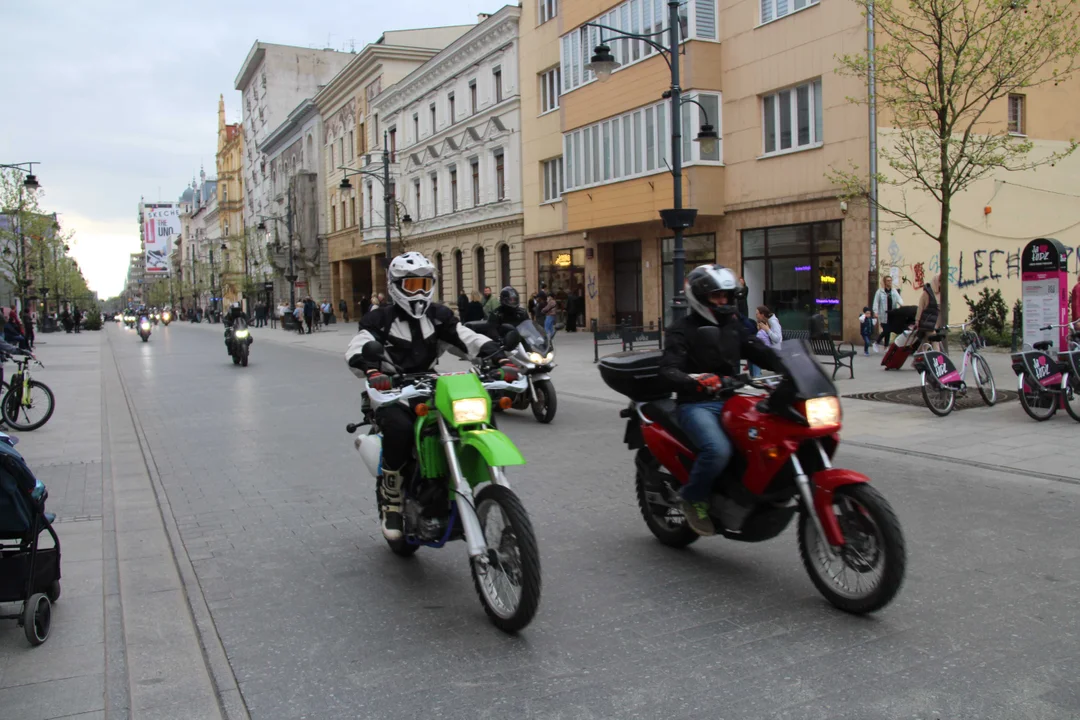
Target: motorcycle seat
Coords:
[[1042, 345], [664, 413]]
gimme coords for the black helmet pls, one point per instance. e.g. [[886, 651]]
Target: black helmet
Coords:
[[705, 280], [509, 297]]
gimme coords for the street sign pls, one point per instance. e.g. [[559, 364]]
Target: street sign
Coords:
[[268, 286], [301, 284]]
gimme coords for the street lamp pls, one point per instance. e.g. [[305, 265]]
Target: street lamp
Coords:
[[678, 218]]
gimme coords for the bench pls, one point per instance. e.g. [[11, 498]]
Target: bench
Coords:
[[824, 346]]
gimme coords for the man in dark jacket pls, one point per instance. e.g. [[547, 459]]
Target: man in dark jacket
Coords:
[[508, 311], [702, 377], [310, 308]]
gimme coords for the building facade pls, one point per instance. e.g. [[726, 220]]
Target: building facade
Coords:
[[352, 133], [596, 158], [244, 266], [454, 132], [273, 81]]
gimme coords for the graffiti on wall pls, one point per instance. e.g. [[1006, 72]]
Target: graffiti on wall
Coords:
[[590, 286]]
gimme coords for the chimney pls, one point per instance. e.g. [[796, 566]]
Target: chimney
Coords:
[[481, 17]]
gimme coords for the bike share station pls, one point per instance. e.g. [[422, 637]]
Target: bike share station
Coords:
[[1044, 280]]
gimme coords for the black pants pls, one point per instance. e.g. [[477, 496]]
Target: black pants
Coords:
[[308, 321], [883, 339], [396, 423]]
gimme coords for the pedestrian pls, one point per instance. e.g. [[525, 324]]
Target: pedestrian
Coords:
[[929, 310], [886, 299], [573, 309], [28, 328], [462, 305], [763, 336], [866, 329], [549, 310], [309, 313], [741, 294], [376, 302], [491, 302], [364, 305], [771, 323], [343, 308], [77, 318], [12, 330], [534, 306], [298, 316], [327, 311], [474, 310]]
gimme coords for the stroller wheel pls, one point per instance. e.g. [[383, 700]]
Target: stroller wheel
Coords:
[[54, 591], [37, 618]]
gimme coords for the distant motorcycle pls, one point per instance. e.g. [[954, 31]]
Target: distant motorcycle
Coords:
[[166, 318], [238, 342], [144, 328], [534, 353]]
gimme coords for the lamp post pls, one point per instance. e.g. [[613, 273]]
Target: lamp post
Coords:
[[213, 294], [677, 218], [291, 276], [388, 199]]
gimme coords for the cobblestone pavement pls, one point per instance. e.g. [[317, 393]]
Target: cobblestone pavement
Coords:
[[319, 620]]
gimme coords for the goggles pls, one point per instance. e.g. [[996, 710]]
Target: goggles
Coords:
[[417, 284]]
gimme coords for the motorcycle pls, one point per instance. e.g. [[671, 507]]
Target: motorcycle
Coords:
[[534, 353], [144, 329], [783, 440], [166, 318], [457, 488], [238, 342]]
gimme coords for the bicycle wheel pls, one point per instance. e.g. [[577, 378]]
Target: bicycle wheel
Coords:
[[1037, 402], [984, 379], [939, 399], [28, 413], [1072, 399]]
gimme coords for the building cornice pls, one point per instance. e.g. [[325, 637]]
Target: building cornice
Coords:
[[458, 56], [349, 79], [251, 62]]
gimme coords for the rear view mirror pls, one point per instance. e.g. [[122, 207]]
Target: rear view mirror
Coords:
[[512, 340], [373, 352]]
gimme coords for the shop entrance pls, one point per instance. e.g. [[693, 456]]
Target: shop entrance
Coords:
[[628, 294]]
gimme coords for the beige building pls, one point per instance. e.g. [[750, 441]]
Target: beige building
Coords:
[[230, 189], [454, 127], [596, 156], [350, 131]]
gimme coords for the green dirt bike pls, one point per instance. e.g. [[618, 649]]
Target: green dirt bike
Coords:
[[457, 488]]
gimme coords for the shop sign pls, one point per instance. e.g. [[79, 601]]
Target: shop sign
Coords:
[[563, 260]]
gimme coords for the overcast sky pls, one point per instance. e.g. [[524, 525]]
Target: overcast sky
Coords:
[[118, 98]]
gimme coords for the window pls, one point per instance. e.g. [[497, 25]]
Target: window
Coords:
[[504, 265], [393, 144], [480, 272], [352, 145], [450, 104], [370, 205], [431, 108], [500, 175], [416, 190], [472, 97], [416, 127], [440, 279], [475, 167], [341, 152], [775, 9], [553, 179], [1017, 124], [332, 164], [225, 192], [792, 118], [459, 273], [453, 189], [376, 128], [333, 219], [550, 85], [548, 9], [497, 76], [796, 271], [635, 144], [352, 210], [434, 194], [344, 218]]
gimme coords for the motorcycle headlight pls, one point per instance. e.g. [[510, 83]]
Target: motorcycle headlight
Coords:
[[823, 412], [550, 356], [535, 358], [470, 410], [145, 325], [242, 333]]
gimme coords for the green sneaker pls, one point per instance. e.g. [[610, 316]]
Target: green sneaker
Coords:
[[697, 517]]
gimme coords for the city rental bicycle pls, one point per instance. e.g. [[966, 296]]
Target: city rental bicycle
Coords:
[[941, 382], [28, 404], [1046, 382]]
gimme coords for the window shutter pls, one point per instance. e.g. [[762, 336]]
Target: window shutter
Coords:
[[705, 19]]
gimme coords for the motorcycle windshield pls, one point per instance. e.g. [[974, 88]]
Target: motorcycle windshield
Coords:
[[803, 374], [240, 324], [534, 338]]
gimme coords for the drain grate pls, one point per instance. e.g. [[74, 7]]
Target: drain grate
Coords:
[[913, 396]]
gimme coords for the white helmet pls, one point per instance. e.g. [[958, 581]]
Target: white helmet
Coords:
[[705, 280], [412, 283]]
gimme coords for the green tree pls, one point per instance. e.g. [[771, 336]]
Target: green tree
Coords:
[[940, 66]]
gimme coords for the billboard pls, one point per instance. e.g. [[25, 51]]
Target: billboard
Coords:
[[161, 226]]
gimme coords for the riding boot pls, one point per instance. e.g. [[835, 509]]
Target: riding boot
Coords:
[[390, 503]]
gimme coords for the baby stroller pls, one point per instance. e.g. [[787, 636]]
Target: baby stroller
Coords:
[[29, 575]]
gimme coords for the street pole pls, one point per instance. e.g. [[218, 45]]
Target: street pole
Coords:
[[292, 270], [213, 293], [44, 288], [387, 199], [678, 257]]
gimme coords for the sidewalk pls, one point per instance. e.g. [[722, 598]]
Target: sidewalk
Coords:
[[124, 641]]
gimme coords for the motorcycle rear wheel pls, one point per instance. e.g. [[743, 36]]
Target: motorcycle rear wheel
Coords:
[[938, 399], [1039, 404], [667, 524], [509, 584], [861, 511]]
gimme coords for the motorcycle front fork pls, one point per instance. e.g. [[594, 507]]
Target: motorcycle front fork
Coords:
[[807, 494], [463, 494]]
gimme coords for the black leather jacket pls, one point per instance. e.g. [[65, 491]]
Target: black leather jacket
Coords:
[[504, 315], [681, 359]]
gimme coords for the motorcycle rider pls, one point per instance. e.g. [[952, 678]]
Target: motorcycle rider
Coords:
[[711, 293], [414, 331], [235, 313], [508, 311]]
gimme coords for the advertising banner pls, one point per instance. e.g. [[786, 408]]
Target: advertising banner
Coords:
[[1044, 279], [161, 226]]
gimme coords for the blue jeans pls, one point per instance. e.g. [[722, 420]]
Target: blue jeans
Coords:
[[701, 421], [549, 324]]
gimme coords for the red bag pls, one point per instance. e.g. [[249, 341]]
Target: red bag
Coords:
[[897, 355]]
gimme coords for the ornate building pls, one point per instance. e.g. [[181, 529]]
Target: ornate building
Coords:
[[244, 267]]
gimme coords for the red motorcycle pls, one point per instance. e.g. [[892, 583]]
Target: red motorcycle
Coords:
[[784, 440]]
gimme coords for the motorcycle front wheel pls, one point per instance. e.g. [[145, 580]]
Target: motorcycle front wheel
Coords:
[[865, 573], [507, 578], [1037, 402], [938, 399], [546, 403], [244, 355]]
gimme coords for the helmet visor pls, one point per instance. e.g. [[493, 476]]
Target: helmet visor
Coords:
[[720, 297], [417, 284]]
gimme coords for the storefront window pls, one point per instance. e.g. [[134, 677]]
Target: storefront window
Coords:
[[795, 270], [700, 250], [561, 272]]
